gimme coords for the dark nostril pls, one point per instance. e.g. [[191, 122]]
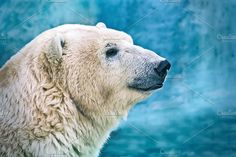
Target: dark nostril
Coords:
[[167, 64], [163, 67]]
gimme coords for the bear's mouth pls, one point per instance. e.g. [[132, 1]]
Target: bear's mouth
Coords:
[[151, 88]]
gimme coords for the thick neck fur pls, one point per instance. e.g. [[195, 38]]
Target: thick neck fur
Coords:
[[45, 117]]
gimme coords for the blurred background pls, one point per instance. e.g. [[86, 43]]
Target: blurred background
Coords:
[[194, 114]]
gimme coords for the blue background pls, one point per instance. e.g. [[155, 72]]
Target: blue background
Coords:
[[194, 115]]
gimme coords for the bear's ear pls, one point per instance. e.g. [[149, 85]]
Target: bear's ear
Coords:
[[101, 25], [55, 49]]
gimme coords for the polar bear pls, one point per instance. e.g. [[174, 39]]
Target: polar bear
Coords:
[[65, 91]]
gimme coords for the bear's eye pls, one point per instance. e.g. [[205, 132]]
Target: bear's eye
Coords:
[[112, 52]]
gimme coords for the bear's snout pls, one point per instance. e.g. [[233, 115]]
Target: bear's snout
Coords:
[[151, 75]]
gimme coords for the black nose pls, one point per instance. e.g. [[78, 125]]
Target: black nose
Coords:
[[162, 68]]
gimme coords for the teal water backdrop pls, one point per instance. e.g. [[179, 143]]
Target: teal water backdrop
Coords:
[[194, 114]]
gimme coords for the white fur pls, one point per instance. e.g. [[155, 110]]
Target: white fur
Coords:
[[57, 100]]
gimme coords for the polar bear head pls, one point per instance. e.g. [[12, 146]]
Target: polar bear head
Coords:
[[102, 69], [73, 84]]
